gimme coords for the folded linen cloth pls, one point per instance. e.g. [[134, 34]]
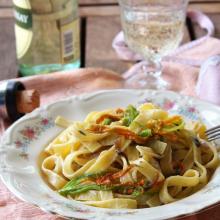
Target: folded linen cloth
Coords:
[[53, 87], [208, 85]]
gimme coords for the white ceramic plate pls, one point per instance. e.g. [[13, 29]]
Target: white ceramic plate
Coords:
[[25, 139]]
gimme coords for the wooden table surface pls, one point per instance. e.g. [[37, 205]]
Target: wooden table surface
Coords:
[[100, 23]]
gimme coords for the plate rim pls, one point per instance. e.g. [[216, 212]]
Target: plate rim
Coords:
[[85, 97]]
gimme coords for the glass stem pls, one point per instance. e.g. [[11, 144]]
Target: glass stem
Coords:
[[152, 68]]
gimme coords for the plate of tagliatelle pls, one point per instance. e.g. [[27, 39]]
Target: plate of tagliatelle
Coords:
[[117, 154]]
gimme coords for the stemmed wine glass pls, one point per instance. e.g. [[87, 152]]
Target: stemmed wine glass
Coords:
[[153, 29]]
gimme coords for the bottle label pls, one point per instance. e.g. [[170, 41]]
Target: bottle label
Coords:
[[23, 17], [23, 26], [70, 42]]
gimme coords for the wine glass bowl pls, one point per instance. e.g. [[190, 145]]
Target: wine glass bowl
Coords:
[[153, 29]]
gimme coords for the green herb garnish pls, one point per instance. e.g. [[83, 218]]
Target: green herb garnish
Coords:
[[174, 127], [81, 185], [130, 114], [139, 190], [107, 121], [145, 133], [74, 184]]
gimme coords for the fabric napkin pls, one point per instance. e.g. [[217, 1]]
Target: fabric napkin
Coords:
[[55, 86]]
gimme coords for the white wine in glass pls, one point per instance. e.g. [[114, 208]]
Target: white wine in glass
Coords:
[[152, 29]]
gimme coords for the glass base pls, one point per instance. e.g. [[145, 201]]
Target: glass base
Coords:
[[146, 82], [147, 76], [28, 70]]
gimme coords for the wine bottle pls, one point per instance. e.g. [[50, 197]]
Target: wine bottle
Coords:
[[47, 35]]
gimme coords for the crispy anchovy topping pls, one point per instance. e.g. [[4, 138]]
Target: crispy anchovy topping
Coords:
[[110, 178], [109, 116], [120, 131]]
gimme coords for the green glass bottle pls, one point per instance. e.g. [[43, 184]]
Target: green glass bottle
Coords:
[[47, 35]]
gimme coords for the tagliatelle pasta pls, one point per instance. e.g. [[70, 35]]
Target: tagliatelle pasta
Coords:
[[129, 158]]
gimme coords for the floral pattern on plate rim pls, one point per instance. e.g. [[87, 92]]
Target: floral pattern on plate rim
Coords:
[[30, 133], [189, 111]]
